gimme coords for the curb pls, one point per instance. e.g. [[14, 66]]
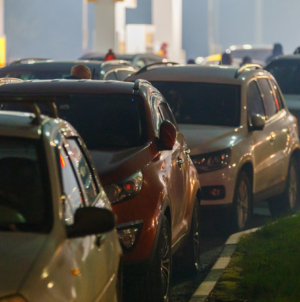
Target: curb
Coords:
[[205, 288]]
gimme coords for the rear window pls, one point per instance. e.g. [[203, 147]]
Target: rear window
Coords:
[[202, 103], [25, 204], [103, 121], [36, 74]]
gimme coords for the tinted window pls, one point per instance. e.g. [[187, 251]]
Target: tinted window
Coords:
[[202, 103], [268, 97], [254, 101], [83, 170], [36, 74], [24, 197], [71, 188], [107, 121], [166, 113], [287, 75]]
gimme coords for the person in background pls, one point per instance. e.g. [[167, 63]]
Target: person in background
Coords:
[[226, 59], [191, 61], [110, 55], [246, 60], [277, 51], [80, 72]]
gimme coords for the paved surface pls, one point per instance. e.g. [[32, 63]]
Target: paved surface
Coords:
[[211, 248]]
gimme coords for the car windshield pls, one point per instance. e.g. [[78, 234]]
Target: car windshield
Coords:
[[254, 54], [202, 103], [24, 205], [287, 74]]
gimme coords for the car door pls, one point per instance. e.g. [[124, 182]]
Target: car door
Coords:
[[262, 146], [178, 191], [91, 254], [282, 127]]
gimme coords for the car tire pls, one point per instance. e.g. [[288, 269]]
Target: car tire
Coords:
[[242, 203], [288, 202], [155, 285], [189, 261]]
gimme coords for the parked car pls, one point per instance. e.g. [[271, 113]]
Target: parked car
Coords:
[[143, 162], [57, 230], [286, 70], [43, 69], [244, 146], [137, 60]]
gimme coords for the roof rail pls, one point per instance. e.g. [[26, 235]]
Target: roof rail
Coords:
[[246, 66], [137, 84], [145, 68], [30, 101], [27, 59]]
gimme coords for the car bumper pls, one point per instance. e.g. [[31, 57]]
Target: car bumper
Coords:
[[218, 186]]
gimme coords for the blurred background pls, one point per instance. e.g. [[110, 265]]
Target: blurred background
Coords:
[[188, 29]]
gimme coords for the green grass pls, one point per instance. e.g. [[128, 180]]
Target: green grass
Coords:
[[265, 266]]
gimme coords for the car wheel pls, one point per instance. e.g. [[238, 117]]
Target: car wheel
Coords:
[[155, 285], [189, 261], [288, 202], [242, 203]]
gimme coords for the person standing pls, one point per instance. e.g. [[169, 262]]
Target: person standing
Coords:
[[110, 55]]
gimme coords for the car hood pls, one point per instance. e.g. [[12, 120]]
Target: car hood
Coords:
[[204, 139], [18, 252], [115, 165], [292, 101]]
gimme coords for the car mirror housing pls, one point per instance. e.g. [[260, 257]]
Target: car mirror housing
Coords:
[[167, 136], [91, 221], [258, 122]]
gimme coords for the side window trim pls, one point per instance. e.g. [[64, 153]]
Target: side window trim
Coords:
[[280, 103]]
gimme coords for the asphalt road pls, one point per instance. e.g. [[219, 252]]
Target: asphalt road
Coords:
[[211, 247]]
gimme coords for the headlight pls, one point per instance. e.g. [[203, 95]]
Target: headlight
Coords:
[[212, 161], [125, 189], [12, 299]]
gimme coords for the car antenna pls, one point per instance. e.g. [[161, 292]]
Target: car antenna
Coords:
[[93, 74]]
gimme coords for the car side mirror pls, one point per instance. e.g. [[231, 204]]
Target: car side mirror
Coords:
[[91, 221], [167, 136], [258, 122]]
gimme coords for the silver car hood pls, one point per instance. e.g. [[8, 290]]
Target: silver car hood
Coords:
[[18, 252], [204, 139]]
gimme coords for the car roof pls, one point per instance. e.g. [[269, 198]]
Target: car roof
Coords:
[[60, 86], [287, 57], [197, 73]]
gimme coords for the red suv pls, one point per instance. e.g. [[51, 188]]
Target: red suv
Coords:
[[143, 162]]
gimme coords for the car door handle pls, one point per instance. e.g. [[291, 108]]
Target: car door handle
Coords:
[[187, 151], [180, 162]]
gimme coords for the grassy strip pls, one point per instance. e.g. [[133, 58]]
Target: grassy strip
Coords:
[[265, 266]]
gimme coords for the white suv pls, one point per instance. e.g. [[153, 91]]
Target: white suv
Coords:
[[57, 231], [243, 140]]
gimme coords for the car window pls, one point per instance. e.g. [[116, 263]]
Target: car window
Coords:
[[166, 113], [71, 188], [268, 97], [123, 74], [112, 76], [25, 201], [202, 103], [157, 117], [276, 93], [254, 100], [81, 165], [140, 63]]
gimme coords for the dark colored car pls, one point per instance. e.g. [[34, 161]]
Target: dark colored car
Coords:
[[42, 69], [286, 70], [137, 60], [143, 162]]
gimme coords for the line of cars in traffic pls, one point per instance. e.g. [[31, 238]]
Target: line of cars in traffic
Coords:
[[168, 143]]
